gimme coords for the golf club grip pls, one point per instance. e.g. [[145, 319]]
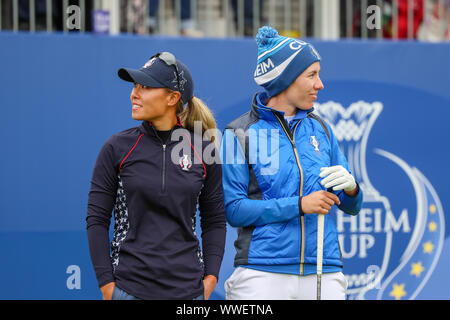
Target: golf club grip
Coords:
[[319, 287], [320, 231]]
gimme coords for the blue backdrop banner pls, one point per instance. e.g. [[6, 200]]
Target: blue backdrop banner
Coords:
[[387, 102]]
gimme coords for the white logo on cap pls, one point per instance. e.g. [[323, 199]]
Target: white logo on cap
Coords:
[[182, 80]]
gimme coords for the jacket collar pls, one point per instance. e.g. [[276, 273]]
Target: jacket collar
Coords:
[[147, 127], [267, 113]]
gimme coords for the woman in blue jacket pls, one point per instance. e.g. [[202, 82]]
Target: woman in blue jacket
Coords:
[[288, 170], [154, 187]]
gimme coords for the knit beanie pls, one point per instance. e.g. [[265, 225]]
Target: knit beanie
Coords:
[[281, 60]]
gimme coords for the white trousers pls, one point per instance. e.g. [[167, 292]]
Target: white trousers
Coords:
[[249, 284]]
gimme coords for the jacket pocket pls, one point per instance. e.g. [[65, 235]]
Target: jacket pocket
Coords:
[[276, 241], [269, 231]]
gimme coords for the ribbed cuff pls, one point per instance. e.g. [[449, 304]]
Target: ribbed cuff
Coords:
[[300, 210], [212, 265], [105, 278]]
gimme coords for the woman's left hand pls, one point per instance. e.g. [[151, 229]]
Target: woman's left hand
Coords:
[[209, 282]]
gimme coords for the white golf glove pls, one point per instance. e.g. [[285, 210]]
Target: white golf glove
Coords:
[[338, 178]]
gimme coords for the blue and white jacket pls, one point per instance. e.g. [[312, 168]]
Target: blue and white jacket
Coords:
[[268, 166]]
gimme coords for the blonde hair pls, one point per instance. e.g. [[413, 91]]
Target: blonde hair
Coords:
[[196, 110]]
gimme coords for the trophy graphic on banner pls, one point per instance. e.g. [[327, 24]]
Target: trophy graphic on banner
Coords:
[[366, 247], [366, 240]]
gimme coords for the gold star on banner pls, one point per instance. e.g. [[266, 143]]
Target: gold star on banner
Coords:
[[432, 208], [417, 269], [428, 247], [432, 226], [398, 291]]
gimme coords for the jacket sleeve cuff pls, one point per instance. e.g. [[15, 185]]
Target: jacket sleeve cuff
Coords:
[[212, 265], [300, 210], [105, 278], [351, 205]]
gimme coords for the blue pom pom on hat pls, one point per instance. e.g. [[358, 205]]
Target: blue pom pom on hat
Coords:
[[281, 60], [265, 34]]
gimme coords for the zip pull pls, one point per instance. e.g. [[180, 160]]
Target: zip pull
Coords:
[[164, 147]]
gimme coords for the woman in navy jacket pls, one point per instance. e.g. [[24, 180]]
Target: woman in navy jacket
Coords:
[[153, 176]]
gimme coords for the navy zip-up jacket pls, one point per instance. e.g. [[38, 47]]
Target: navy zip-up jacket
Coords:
[[154, 188]]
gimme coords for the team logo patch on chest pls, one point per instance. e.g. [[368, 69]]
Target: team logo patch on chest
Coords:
[[185, 163], [314, 143]]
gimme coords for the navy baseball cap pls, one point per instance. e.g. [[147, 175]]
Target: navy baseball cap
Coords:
[[162, 71]]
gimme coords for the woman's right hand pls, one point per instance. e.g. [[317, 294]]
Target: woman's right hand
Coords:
[[319, 202], [107, 290]]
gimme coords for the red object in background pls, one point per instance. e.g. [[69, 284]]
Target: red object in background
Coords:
[[403, 19]]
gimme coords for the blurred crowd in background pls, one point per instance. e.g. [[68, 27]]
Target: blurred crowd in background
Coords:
[[424, 20]]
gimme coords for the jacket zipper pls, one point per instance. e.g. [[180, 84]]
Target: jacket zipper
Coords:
[[302, 220], [163, 173], [164, 169]]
